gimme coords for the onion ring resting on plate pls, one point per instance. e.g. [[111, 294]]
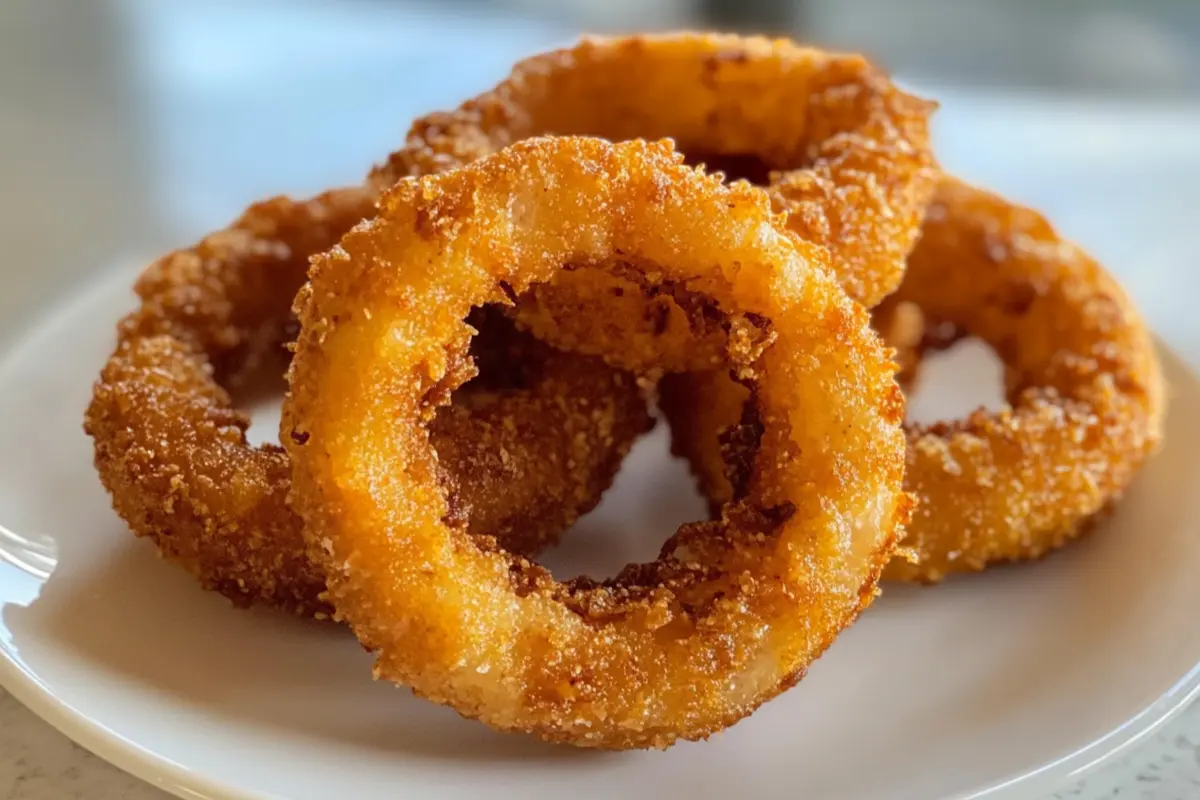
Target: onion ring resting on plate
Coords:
[[1083, 380], [734, 610], [845, 152], [527, 448]]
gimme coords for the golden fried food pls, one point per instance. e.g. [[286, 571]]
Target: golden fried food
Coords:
[[1083, 380], [532, 442], [903, 327], [837, 145], [525, 449], [734, 610]]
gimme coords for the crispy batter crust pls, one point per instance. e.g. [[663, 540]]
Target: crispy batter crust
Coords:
[[903, 327], [1083, 380], [526, 449], [734, 610], [845, 152]]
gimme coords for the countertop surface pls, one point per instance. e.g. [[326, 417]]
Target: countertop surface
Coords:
[[156, 154], [38, 763]]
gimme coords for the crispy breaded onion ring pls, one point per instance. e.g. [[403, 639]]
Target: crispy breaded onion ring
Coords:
[[846, 154], [526, 449], [1083, 380], [734, 610], [903, 328]]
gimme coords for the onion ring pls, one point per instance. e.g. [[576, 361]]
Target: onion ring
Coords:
[[903, 327], [1083, 380], [846, 154], [525, 456], [733, 611]]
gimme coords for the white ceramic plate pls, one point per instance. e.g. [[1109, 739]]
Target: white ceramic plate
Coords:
[[1010, 682]]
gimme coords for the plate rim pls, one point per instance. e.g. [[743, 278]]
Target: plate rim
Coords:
[[104, 743], [163, 773]]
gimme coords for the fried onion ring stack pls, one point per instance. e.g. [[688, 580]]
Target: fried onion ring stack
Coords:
[[1083, 380], [734, 610], [476, 331], [527, 449]]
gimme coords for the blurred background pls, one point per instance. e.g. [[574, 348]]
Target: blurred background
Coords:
[[127, 126]]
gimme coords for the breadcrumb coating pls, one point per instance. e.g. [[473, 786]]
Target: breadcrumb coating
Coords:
[[734, 610], [526, 449], [1083, 381], [836, 144]]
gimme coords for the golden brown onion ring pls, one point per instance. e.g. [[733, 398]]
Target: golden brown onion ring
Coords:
[[1083, 380], [903, 328], [846, 152], [733, 611], [527, 449]]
